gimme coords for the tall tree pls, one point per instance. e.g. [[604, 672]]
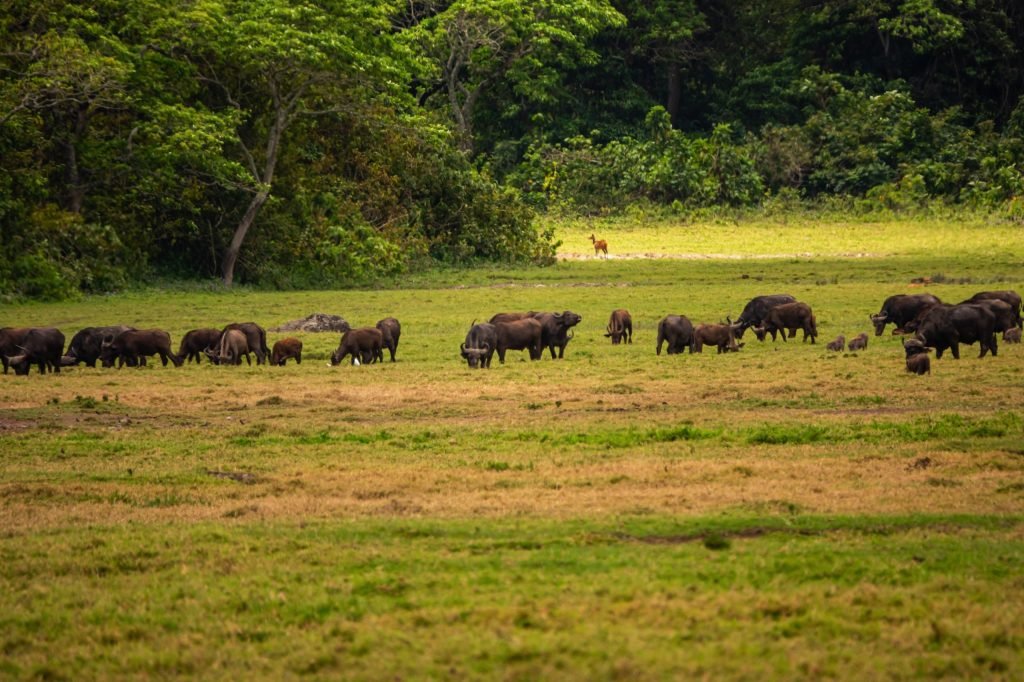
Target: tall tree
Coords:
[[266, 63], [470, 45]]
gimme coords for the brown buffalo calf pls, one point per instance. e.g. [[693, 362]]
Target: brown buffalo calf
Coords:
[[859, 342], [722, 336], [919, 364], [285, 350]]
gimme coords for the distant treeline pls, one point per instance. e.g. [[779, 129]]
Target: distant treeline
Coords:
[[300, 144]]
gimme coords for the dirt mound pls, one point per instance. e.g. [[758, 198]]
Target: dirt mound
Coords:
[[317, 322]]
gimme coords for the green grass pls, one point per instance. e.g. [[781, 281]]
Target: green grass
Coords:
[[781, 512]]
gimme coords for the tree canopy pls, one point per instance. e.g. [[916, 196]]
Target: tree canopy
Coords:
[[298, 143]]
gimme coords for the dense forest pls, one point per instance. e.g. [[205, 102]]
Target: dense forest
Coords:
[[286, 143]]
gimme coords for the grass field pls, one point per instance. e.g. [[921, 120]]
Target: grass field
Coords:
[[782, 512]]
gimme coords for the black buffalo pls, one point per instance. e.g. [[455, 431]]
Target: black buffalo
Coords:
[[677, 332], [481, 342], [522, 334], [41, 346], [196, 341], [11, 339], [255, 336], [87, 344], [901, 309], [620, 327], [949, 326], [555, 330], [133, 346], [364, 345], [1006, 316], [789, 316], [1012, 298], [755, 312], [390, 330]]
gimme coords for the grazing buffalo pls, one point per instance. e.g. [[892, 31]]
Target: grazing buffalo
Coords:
[[133, 346], [87, 345], [859, 342], [1011, 298], [949, 326], [837, 345], [233, 345], [620, 327], [523, 334], [555, 330], [255, 336], [755, 312], [390, 330], [677, 332], [41, 346], [1005, 315], [364, 345], [722, 336], [285, 350], [511, 317], [481, 341], [1012, 335], [788, 317], [196, 341], [901, 309], [11, 339]]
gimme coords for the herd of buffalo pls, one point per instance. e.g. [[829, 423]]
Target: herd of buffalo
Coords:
[[930, 323]]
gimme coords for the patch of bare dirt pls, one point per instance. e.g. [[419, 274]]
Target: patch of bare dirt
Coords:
[[710, 256]]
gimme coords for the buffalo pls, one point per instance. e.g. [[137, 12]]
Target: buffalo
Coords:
[[233, 345], [756, 310], [722, 336], [255, 337], [555, 330], [87, 345], [11, 339], [41, 346], [677, 332], [196, 341], [949, 326], [1012, 335], [285, 350], [1005, 316], [917, 356], [837, 345], [522, 334], [364, 344], [133, 346], [859, 342], [390, 330], [511, 317], [901, 309], [789, 316], [620, 327], [1011, 298], [480, 344]]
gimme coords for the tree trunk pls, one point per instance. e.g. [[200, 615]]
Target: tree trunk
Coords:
[[675, 94], [231, 254]]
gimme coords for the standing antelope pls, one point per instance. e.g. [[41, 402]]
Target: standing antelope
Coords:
[[599, 245]]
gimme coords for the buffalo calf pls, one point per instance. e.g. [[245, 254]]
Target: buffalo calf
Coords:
[[285, 350], [919, 364], [837, 345], [859, 342]]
